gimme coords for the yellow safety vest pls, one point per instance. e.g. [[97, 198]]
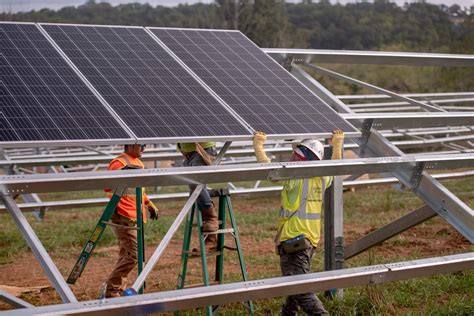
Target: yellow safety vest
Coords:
[[305, 197]]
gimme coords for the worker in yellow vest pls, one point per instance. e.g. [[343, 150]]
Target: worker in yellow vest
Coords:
[[124, 221], [299, 222], [202, 154]]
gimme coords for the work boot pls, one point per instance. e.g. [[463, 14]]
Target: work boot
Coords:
[[210, 220], [112, 294], [210, 243]]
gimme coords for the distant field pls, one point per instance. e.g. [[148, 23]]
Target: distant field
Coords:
[[64, 233]]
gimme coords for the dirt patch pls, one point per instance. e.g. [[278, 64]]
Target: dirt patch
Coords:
[[426, 240]]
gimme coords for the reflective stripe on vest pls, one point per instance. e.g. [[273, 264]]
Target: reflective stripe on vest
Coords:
[[301, 211]]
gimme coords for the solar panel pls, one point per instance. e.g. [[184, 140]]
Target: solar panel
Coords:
[[43, 99], [153, 94], [256, 87]]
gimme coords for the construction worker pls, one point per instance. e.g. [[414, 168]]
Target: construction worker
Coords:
[[300, 218], [124, 221], [202, 154]]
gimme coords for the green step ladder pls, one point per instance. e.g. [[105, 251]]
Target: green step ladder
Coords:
[[224, 205], [99, 230]]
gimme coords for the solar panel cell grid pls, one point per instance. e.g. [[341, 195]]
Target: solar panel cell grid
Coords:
[[42, 97], [251, 83], [145, 85]]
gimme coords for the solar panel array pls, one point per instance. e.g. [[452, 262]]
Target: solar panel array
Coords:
[[145, 86], [42, 97], [176, 84], [262, 92]]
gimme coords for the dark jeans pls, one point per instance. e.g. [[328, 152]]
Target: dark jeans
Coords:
[[194, 159], [294, 264]]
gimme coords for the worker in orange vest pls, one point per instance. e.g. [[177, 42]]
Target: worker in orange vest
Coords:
[[124, 221]]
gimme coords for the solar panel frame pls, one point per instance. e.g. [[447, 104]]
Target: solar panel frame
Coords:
[[50, 79], [223, 137], [256, 118], [133, 138]]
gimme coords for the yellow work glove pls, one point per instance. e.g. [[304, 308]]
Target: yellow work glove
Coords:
[[153, 210], [259, 139], [337, 143]]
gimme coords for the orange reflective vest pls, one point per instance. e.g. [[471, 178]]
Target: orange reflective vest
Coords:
[[127, 205]]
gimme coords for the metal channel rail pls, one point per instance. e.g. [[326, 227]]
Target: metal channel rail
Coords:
[[79, 181], [373, 57], [98, 159], [93, 202], [168, 301]]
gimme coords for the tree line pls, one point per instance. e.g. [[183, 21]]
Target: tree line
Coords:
[[381, 25], [274, 23]]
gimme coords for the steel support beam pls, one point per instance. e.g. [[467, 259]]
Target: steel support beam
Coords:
[[409, 95], [373, 57], [333, 228], [404, 104], [412, 119], [38, 250], [395, 96], [229, 173], [70, 204], [260, 289], [396, 227], [433, 193], [14, 301]]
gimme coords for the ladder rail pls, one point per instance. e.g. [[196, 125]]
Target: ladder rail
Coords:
[[224, 206]]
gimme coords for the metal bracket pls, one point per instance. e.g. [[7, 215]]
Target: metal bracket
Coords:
[[219, 192], [339, 252], [288, 62], [366, 130], [416, 175]]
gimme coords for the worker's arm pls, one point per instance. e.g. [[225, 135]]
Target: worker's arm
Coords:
[[337, 143], [259, 139]]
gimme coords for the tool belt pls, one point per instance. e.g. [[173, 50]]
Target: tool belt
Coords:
[[294, 244]]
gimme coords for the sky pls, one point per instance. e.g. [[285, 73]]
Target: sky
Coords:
[[28, 5]]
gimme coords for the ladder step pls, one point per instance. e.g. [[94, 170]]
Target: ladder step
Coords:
[[195, 254], [220, 231], [230, 248]]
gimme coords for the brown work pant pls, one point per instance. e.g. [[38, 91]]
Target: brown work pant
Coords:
[[127, 238]]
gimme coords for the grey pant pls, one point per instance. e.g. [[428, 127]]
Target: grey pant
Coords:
[[194, 159], [294, 264]]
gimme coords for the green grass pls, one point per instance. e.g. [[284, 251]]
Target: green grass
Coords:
[[64, 232]]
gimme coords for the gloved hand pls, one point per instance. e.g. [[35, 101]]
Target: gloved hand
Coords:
[[337, 143], [259, 139], [153, 210]]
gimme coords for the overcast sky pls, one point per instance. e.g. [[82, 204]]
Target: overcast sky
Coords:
[[28, 5]]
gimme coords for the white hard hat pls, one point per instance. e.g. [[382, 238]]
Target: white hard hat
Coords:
[[313, 145]]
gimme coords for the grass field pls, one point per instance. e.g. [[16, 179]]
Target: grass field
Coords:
[[64, 232]]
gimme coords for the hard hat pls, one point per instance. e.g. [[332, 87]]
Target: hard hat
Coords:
[[314, 146]]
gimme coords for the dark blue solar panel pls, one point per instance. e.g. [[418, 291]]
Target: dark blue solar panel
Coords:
[[43, 99], [153, 94], [262, 92]]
